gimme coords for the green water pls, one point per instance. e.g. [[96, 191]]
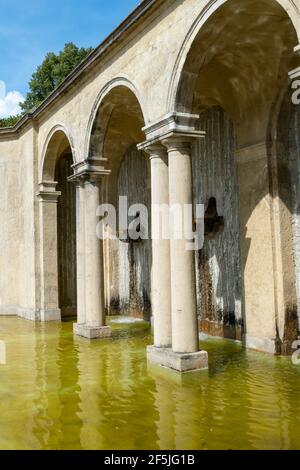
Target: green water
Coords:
[[57, 392]]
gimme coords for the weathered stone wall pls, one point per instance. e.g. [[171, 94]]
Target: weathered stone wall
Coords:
[[19, 285], [218, 264], [294, 168], [131, 261], [288, 169], [11, 216]]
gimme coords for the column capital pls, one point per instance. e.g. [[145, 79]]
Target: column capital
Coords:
[[175, 128], [47, 192], [90, 170], [154, 150], [179, 141]]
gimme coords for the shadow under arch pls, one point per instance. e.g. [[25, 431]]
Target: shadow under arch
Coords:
[[288, 6]]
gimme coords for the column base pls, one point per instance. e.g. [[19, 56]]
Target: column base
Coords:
[[50, 315], [91, 332], [181, 362]]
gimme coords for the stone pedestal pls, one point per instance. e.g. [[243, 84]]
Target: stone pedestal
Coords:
[[91, 332], [180, 362]]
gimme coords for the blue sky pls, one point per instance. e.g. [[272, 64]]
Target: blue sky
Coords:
[[31, 28]]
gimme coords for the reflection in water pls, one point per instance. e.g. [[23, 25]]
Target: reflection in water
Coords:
[[2, 353], [60, 392]]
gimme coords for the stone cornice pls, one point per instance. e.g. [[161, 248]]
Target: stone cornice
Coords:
[[47, 192], [179, 126], [88, 170], [14, 130], [172, 122]]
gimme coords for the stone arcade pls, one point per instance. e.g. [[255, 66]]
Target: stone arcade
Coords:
[[193, 99]]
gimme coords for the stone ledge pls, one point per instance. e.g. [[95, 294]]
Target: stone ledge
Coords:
[[91, 332], [181, 362], [31, 314], [25, 313]]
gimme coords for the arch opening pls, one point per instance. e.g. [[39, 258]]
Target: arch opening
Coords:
[[66, 237], [56, 145], [116, 131], [238, 59], [60, 224]]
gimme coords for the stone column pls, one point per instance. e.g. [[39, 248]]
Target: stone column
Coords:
[[176, 132], [184, 354], [48, 198], [91, 298], [80, 248], [184, 317], [161, 269]]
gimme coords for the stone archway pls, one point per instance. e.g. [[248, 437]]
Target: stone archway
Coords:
[[57, 229], [239, 59], [116, 129], [287, 7]]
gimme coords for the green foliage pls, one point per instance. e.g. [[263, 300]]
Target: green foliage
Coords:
[[10, 121], [54, 69]]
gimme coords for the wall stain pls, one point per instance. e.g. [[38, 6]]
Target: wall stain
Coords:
[[218, 264], [132, 291]]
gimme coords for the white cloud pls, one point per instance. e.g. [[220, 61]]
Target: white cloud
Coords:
[[9, 102]]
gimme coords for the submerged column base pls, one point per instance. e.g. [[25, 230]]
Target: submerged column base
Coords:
[[181, 362], [91, 332], [260, 344]]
